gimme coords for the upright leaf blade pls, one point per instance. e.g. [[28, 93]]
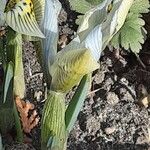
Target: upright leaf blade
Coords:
[[77, 101], [1, 144], [8, 78], [14, 53], [6, 107], [19, 131], [19, 81], [2, 8]]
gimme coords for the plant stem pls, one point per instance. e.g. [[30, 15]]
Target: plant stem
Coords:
[[18, 125]]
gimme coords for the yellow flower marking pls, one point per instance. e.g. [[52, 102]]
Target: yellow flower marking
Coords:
[[26, 6]]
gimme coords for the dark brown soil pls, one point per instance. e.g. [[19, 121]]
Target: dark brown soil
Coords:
[[112, 118]]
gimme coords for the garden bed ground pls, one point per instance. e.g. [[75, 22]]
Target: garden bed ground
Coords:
[[113, 116]]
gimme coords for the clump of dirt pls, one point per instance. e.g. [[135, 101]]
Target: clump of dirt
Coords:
[[20, 147]]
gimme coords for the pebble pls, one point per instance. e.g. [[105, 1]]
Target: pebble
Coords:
[[38, 95], [110, 130], [112, 98]]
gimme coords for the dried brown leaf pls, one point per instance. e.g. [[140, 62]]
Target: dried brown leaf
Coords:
[[28, 121]]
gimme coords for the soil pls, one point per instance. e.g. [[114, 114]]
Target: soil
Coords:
[[116, 113], [113, 117]]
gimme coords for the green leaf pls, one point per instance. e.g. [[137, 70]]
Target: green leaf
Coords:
[[140, 6], [82, 6], [69, 67], [1, 144], [7, 119], [2, 8], [8, 78], [101, 23], [94, 2], [132, 33], [122, 13], [6, 107], [76, 102], [21, 18], [19, 81], [17, 85], [54, 144], [39, 8], [14, 53], [19, 131]]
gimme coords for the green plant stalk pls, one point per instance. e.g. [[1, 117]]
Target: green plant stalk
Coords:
[[14, 49], [8, 78], [53, 123], [19, 137], [6, 107], [19, 83], [1, 144], [14, 52], [76, 102]]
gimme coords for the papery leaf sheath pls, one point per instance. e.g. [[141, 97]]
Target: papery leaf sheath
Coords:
[[53, 121], [69, 67]]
